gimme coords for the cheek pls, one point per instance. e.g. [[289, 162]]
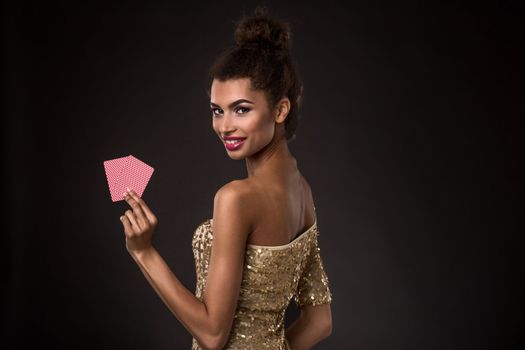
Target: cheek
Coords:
[[261, 126], [261, 133], [267, 129], [215, 125]]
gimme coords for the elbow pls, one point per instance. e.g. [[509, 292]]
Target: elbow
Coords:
[[327, 327], [217, 335], [215, 342]]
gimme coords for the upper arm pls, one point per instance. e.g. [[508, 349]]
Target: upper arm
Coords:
[[313, 287], [231, 227], [321, 314], [313, 295]]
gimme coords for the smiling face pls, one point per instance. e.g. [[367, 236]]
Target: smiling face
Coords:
[[239, 112]]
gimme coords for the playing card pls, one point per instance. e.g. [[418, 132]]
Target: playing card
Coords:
[[126, 172], [113, 168]]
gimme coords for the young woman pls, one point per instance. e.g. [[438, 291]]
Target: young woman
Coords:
[[260, 249]]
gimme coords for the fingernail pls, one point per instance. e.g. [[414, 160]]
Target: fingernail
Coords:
[[128, 189], [125, 194]]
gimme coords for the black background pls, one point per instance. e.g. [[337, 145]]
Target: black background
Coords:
[[410, 136]]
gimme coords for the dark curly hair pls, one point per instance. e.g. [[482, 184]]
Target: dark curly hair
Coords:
[[262, 53]]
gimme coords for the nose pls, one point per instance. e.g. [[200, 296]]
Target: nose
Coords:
[[226, 124]]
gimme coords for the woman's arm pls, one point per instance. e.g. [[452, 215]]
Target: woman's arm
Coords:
[[188, 309], [313, 325], [209, 321]]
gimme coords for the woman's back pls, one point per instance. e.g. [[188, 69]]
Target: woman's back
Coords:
[[283, 207], [277, 267]]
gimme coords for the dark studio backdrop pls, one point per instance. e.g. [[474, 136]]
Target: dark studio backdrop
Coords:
[[409, 138]]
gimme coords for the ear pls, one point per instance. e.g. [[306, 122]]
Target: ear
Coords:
[[282, 110]]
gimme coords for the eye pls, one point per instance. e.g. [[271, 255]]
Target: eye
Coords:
[[213, 111], [244, 108]]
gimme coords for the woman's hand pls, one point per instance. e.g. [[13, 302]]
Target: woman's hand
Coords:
[[139, 223]]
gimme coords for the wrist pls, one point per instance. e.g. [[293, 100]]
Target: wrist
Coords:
[[141, 254]]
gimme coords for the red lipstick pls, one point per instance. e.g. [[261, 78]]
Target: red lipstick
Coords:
[[233, 143]]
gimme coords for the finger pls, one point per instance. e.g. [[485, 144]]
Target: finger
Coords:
[[137, 210], [147, 211], [134, 225], [128, 231]]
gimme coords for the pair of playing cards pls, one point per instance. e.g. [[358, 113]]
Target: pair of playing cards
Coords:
[[126, 172]]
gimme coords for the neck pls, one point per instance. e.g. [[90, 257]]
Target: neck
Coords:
[[272, 159]]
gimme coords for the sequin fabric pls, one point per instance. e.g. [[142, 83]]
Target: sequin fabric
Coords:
[[272, 276]]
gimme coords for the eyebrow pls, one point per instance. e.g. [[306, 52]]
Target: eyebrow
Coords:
[[233, 104]]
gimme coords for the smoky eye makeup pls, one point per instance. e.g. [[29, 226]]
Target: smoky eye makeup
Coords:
[[238, 110], [243, 108]]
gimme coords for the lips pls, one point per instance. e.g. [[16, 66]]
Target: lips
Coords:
[[233, 138], [233, 143]]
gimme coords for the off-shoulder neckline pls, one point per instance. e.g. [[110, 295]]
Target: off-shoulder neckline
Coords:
[[278, 247]]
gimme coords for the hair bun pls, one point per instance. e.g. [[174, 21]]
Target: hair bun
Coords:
[[261, 29]]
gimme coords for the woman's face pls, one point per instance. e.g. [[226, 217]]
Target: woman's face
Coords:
[[239, 112]]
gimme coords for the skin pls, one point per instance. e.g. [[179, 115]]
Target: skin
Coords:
[[274, 188]]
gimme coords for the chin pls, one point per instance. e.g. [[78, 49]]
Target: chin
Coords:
[[236, 156]]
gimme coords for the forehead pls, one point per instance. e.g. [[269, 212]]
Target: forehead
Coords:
[[233, 89]]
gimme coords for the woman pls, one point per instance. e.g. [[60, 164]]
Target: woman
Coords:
[[260, 249]]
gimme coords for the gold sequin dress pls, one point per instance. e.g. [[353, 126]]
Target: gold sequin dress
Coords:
[[272, 276]]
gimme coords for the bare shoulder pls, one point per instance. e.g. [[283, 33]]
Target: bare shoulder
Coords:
[[308, 191], [237, 191], [233, 201], [235, 187]]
